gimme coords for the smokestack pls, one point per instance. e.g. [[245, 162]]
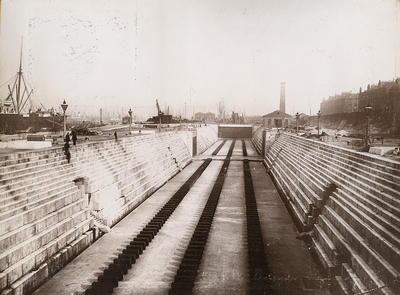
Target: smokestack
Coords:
[[282, 106]]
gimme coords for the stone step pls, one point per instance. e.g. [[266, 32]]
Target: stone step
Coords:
[[350, 185], [124, 169], [6, 159], [354, 283], [30, 180], [386, 185], [386, 165], [29, 187], [37, 172], [138, 195], [299, 211], [10, 244], [313, 184], [388, 249], [20, 203], [369, 277], [131, 181], [360, 246], [297, 186], [341, 287], [387, 179], [352, 278], [313, 196], [344, 159], [37, 209], [387, 220], [15, 170], [27, 157], [33, 279], [383, 217], [126, 187], [327, 244], [323, 257], [35, 259]]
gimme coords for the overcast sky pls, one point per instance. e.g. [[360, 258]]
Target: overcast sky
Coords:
[[127, 53]]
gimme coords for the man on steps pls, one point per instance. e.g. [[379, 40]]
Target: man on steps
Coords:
[[67, 153]]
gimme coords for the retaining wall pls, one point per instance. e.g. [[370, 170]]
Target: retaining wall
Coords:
[[348, 202]]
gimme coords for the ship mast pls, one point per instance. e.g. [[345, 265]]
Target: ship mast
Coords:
[[0, 16], [19, 79], [19, 99]]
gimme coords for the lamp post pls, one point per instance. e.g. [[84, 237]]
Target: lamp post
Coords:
[[368, 110], [319, 117], [52, 113], [64, 107], [130, 119], [297, 122]]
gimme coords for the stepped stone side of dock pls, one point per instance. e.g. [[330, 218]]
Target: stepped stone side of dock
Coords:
[[49, 208], [348, 203]]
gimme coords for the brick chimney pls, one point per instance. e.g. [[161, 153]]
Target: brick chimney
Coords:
[[282, 107]]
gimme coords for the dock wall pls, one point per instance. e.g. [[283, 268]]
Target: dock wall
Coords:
[[346, 203], [51, 210]]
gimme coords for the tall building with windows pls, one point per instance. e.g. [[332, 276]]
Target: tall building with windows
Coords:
[[345, 102], [383, 97]]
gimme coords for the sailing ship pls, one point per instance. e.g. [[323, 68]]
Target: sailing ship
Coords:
[[16, 114]]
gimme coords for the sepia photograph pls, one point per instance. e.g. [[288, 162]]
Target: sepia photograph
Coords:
[[178, 147]]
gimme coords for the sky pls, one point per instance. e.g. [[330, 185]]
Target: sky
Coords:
[[126, 53]]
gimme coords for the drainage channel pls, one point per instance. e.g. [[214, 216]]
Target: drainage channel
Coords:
[[258, 269], [218, 148], [187, 272], [244, 149], [110, 277]]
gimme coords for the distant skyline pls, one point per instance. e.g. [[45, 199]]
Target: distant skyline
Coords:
[[117, 54]]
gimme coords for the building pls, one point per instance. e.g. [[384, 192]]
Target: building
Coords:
[[278, 118], [345, 102], [204, 117], [383, 97]]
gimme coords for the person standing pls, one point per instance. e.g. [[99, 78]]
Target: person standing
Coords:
[[115, 136], [67, 138], [67, 153], [74, 137]]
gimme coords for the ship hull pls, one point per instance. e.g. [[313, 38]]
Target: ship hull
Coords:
[[12, 123]]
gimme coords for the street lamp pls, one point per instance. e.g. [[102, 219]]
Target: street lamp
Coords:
[[130, 119], [52, 113], [297, 122], [368, 110], [64, 107], [319, 117]]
